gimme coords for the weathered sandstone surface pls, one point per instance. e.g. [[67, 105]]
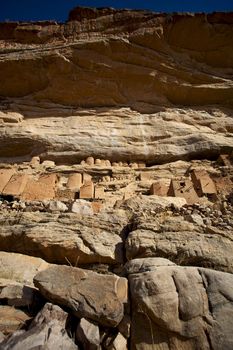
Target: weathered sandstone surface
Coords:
[[180, 307], [118, 85], [116, 182]]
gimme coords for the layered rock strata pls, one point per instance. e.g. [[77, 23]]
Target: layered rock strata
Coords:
[[118, 85], [116, 171]]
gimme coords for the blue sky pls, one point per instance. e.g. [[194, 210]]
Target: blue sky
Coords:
[[58, 9]]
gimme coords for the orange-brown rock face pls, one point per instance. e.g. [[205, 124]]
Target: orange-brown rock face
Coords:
[[117, 84], [116, 158]]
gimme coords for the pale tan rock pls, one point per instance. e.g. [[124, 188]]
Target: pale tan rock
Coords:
[[175, 308], [146, 176], [68, 238], [11, 319], [128, 194], [48, 163], [20, 268], [159, 201], [107, 178], [11, 117], [82, 207], [103, 163], [133, 165], [16, 278], [17, 294], [94, 296], [57, 206], [146, 264], [181, 241], [119, 343], [123, 119], [46, 331], [141, 164], [88, 334]]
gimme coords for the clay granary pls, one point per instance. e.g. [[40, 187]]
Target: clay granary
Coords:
[[47, 186], [197, 185], [72, 185]]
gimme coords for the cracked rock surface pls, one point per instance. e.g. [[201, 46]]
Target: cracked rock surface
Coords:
[[185, 307], [116, 182]]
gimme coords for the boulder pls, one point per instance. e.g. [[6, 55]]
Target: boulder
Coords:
[[16, 278], [82, 207], [181, 308], [119, 343], [17, 294], [47, 331], [57, 206], [86, 293], [88, 335]]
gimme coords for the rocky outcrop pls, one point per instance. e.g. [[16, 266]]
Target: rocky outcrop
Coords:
[[182, 241], [16, 279], [176, 307], [116, 173], [86, 293], [46, 331], [118, 85], [66, 238]]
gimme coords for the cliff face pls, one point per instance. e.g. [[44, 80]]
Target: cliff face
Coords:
[[116, 178], [140, 86]]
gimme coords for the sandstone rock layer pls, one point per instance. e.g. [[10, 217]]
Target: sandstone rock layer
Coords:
[[136, 77], [116, 182]]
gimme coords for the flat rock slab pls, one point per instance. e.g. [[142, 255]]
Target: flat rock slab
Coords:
[[20, 268], [88, 294], [16, 278], [178, 307], [16, 294], [181, 241], [63, 238]]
